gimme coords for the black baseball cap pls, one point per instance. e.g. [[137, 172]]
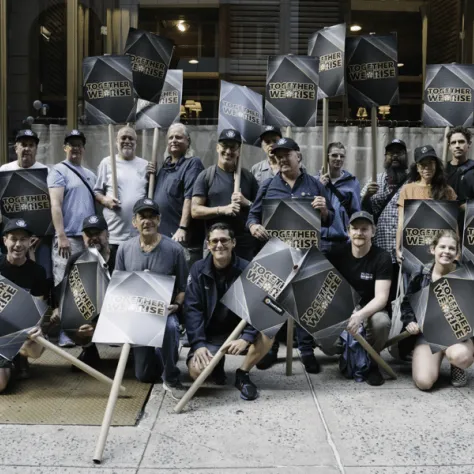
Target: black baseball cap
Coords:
[[396, 141], [145, 203], [271, 129], [16, 224], [425, 151], [27, 133], [94, 222], [285, 143], [362, 215], [74, 133], [229, 134]]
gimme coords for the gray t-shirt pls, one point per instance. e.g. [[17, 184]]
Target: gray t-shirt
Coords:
[[14, 166], [262, 171], [78, 202], [132, 186], [167, 258]]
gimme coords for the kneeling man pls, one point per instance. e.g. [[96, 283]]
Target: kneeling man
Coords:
[[209, 323]]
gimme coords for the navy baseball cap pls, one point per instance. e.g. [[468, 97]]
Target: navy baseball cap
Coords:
[[16, 224], [425, 151], [271, 129], [362, 215], [144, 204], [27, 133], [396, 141], [230, 135], [74, 134], [94, 222], [285, 143]]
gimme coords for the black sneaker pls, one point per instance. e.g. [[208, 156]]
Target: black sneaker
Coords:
[[22, 367], [374, 376], [458, 377], [311, 364], [248, 390], [269, 358], [90, 356], [218, 375]]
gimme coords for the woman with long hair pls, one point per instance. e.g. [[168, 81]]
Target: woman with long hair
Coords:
[[426, 365], [426, 181]]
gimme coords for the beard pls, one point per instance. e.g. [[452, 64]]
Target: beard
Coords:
[[396, 175]]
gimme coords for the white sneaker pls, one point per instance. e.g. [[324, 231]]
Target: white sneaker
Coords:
[[176, 391], [65, 340]]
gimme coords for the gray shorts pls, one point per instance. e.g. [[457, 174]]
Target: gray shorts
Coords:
[[59, 263]]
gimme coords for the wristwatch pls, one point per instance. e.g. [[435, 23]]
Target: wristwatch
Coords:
[[182, 227]]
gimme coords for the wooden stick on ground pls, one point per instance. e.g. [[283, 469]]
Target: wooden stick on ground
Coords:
[[325, 134], [109, 411], [74, 361], [289, 346], [154, 159], [208, 370], [113, 164], [373, 118], [376, 357], [403, 335]]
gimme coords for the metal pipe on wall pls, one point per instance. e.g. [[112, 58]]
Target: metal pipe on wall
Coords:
[[3, 83]]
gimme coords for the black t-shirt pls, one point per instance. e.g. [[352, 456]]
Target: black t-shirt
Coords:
[[220, 194], [29, 276], [362, 273], [457, 180]]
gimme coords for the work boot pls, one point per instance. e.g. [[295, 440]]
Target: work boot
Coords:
[[311, 364]]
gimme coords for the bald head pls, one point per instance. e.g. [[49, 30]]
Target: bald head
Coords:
[[127, 143]]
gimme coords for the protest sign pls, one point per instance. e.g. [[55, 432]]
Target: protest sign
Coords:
[[292, 91], [468, 237]]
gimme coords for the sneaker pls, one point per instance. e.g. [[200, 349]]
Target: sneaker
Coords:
[[218, 375], [248, 390], [458, 377], [311, 364], [65, 340], [269, 358], [22, 367], [90, 356], [176, 390], [374, 376]]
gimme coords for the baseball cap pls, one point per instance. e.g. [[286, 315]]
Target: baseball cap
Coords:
[[74, 134], [27, 133], [146, 203], [396, 141], [229, 134], [271, 129], [16, 224], [94, 222], [362, 215], [286, 143], [425, 151]]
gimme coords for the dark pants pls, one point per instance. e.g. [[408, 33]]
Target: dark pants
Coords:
[[112, 257], [151, 363]]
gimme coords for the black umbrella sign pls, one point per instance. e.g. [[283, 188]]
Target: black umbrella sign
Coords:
[[19, 312], [294, 221], [83, 290], [24, 195], [423, 220], [250, 296], [135, 309]]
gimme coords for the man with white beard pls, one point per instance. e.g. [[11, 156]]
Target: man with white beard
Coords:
[[131, 186]]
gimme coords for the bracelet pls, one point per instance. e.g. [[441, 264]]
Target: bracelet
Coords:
[[182, 227]]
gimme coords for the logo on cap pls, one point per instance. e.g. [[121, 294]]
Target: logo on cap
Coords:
[[148, 202], [230, 134], [28, 132], [20, 223], [396, 140], [93, 220], [282, 141], [75, 132], [269, 127], [424, 149]]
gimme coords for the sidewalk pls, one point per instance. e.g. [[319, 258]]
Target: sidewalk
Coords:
[[303, 424]]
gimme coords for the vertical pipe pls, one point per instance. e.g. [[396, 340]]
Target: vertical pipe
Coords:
[[3, 83], [72, 59], [424, 47], [325, 134]]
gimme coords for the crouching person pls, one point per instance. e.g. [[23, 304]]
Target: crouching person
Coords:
[[18, 238], [209, 323]]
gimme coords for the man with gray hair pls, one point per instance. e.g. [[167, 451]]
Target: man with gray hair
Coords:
[[131, 186], [174, 191]]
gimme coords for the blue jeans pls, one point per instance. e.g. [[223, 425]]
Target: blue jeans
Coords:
[[152, 363], [305, 341]]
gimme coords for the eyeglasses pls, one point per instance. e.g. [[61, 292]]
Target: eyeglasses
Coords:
[[337, 155], [223, 240]]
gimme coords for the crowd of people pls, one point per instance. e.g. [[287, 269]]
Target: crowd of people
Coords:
[[199, 229]]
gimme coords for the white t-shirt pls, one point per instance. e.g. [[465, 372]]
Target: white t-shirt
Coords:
[[13, 166]]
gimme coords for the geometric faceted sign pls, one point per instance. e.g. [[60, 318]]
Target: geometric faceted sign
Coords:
[[443, 309], [167, 111], [108, 90], [83, 290], [135, 309], [151, 56], [24, 195], [328, 45], [423, 220], [448, 96], [19, 312], [468, 237], [293, 221], [372, 71], [241, 108], [318, 298], [292, 91], [251, 296]]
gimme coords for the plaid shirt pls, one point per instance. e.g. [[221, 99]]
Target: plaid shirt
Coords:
[[386, 234]]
